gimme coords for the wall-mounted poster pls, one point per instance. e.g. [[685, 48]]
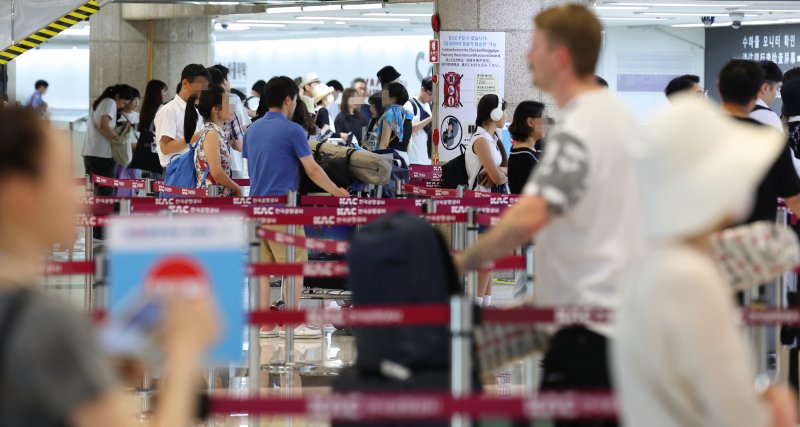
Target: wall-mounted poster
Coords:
[[471, 65]]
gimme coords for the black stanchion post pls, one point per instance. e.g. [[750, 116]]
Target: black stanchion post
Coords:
[[460, 352]]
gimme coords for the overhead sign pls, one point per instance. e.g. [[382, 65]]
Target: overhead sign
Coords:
[[156, 256], [433, 55], [472, 65]]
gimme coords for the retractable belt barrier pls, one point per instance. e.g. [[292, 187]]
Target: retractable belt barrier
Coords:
[[427, 406]]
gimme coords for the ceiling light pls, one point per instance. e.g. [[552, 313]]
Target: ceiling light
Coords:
[[615, 18], [85, 31], [687, 14], [232, 27], [365, 6], [771, 10], [339, 18], [397, 14], [621, 7], [323, 8], [680, 4], [717, 24], [256, 21], [340, 23], [289, 9]]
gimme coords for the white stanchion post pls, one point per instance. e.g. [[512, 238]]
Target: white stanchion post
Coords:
[[288, 285], [471, 284], [254, 338], [457, 229], [89, 251], [531, 365], [460, 352]]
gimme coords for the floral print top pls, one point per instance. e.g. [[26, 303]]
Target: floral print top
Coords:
[[201, 160]]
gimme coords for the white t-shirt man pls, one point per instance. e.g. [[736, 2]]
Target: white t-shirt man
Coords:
[[418, 150], [97, 145], [679, 360], [587, 177], [169, 122]]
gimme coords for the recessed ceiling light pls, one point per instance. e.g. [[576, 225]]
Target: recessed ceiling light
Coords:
[[324, 8], [621, 7], [616, 18], [289, 9], [340, 23], [389, 14], [771, 10], [687, 14], [339, 18], [653, 4], [365, 6], [256, 21]]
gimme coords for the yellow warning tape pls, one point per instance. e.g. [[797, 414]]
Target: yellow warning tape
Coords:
[[81, 13]]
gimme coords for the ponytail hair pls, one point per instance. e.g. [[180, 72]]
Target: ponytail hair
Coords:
[[123, 91], [202, 103]]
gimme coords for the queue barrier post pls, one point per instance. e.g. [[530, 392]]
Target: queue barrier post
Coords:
[[458, 230], [254, 338], [531, 365], [88, 250], [399, 188], [471, 284], [148, 187], [288, 285], [460, 352]]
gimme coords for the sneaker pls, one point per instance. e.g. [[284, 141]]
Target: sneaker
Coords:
[[270, 333], [304, 331]]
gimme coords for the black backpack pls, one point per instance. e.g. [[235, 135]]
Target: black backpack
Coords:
[[400, 259], [143, 156], [337, 169], [454, 172]]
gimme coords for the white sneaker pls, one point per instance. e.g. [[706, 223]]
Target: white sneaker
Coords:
[[274, 332], [304, 331]]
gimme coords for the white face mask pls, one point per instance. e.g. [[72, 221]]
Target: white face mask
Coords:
[[755, 254]]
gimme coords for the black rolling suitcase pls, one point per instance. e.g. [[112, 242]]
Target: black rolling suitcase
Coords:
[[399, 260]]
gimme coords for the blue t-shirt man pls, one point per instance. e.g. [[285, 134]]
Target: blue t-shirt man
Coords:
[[273, 147]]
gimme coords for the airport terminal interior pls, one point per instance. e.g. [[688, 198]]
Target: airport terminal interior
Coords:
[[399, 212]]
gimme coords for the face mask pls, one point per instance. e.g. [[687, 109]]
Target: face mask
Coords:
[[755, 254]]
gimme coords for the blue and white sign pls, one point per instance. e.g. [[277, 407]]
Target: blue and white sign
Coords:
[[156, 255]]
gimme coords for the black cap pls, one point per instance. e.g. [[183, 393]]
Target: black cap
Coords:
[[790, 94], [387, 75]]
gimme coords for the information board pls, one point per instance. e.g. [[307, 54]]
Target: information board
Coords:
[[472, 64], [777, 43]]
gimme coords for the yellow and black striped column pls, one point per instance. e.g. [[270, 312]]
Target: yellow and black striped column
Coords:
[[44, 34]]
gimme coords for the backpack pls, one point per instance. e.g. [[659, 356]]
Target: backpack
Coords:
[[400, 259], [454, 172], [337, 169], [144, 158], [180, 171]]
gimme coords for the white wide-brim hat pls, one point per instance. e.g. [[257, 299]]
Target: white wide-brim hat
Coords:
[[308, 102], [309, 78], [697, 165], [320, 92]]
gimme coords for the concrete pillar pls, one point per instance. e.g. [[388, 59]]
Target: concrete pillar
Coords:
[[119, 49], [515, 18]]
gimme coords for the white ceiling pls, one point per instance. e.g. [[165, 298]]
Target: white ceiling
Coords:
[[358, 19], [370, 17], [687, 13]]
